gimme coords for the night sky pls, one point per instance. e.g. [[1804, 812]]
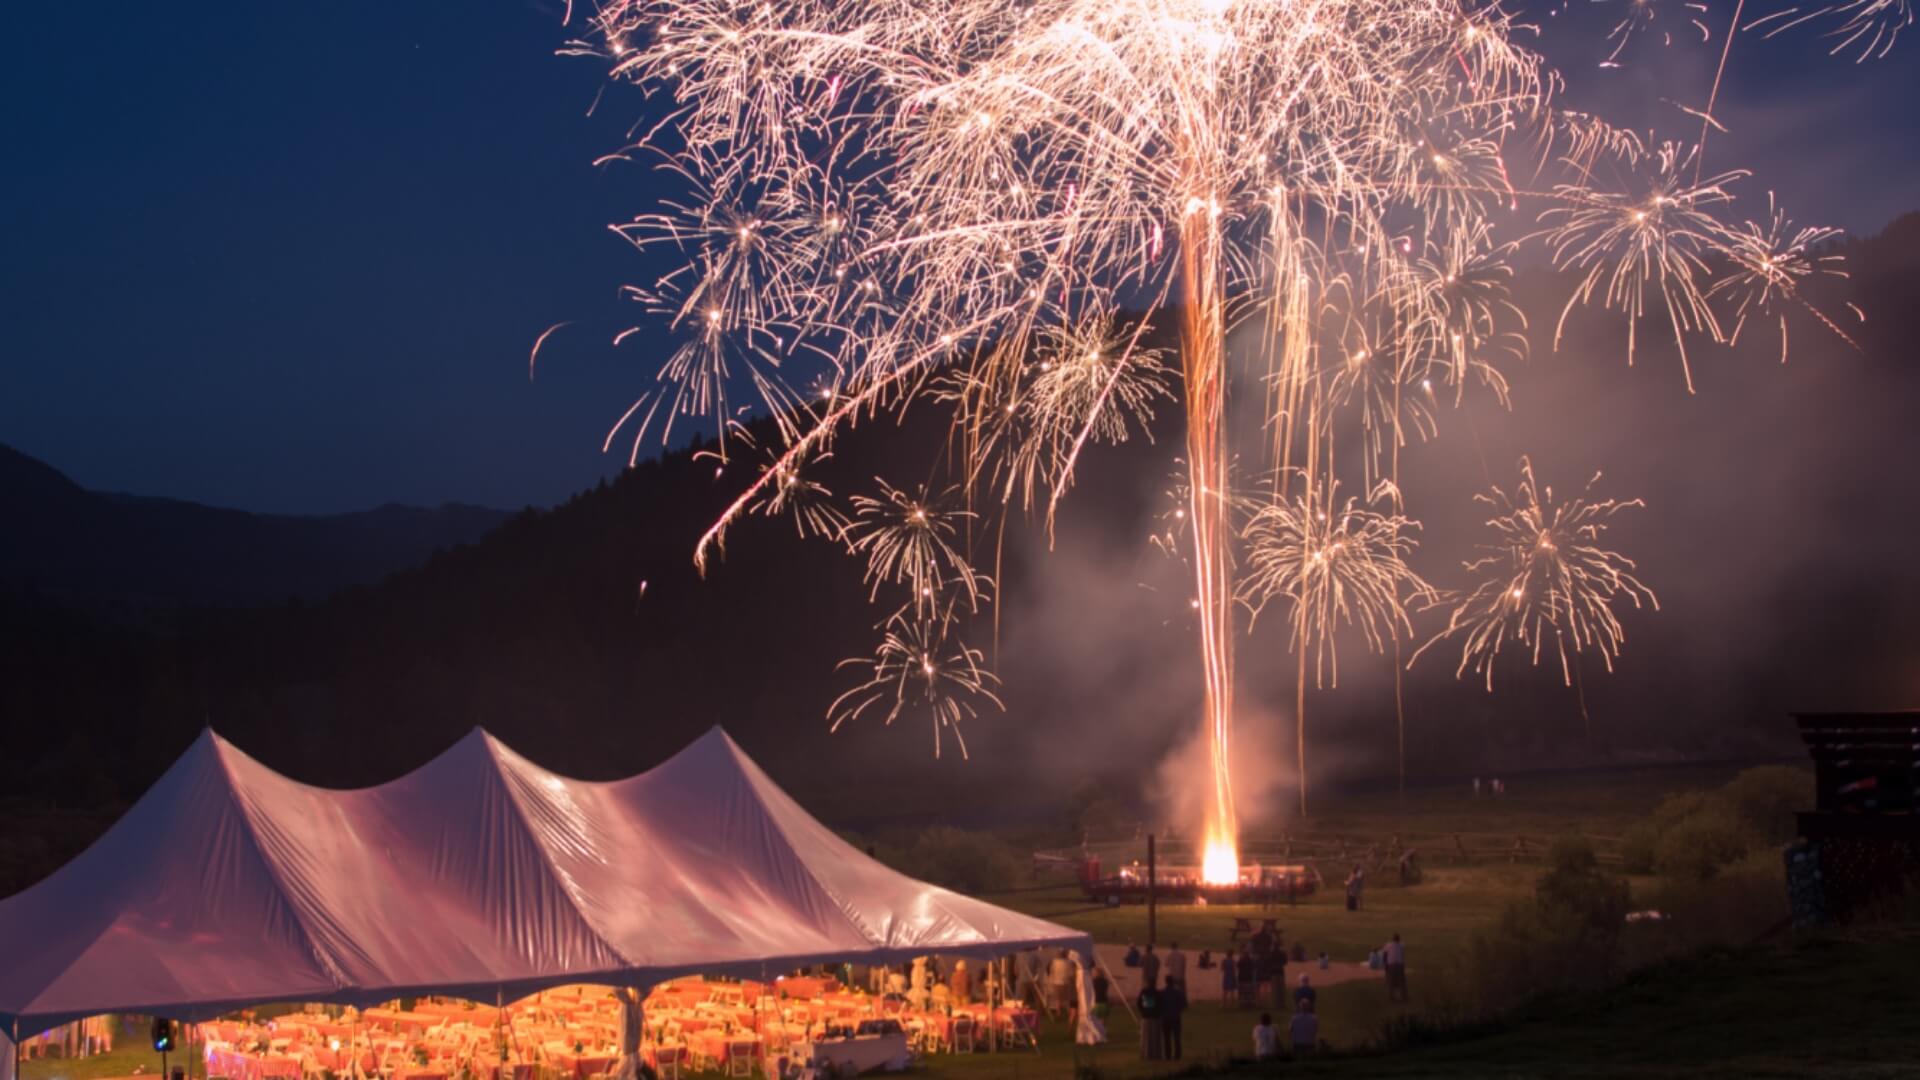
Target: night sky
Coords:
[[292, 257]]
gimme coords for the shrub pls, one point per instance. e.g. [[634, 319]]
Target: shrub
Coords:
[[1678, 807], [1733, 908], [1765, 800], [1637, 848], [1701, 845], [1567, 937]]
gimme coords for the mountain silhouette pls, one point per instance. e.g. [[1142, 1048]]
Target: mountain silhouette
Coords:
[[129, 556]]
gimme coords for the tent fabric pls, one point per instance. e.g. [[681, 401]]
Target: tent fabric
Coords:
[[479, 875]]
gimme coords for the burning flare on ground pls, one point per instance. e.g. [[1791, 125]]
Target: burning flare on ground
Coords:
[[1220, 865]]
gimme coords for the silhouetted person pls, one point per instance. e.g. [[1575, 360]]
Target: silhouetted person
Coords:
[[1247, 977], [1173, 1007], [1148, 1006], [1304, 1031], [1393, 956]]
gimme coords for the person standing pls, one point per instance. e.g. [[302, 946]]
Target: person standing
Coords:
[[1176, 966], [1305, 996], [1393, 956], [1173, 1008], [1356, 881], [1149, 968], [1304, 1031], [1060, 983], [1277, 971], [1100, 988], [961, 984], [1247, 977], [1266, 1041], [1148, 1006], [1229, 964]]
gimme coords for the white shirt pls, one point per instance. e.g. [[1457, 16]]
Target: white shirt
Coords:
[[1266, 1041], [1393, 954], [1177, 965]]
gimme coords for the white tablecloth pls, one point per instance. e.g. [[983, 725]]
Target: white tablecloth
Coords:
[[859, 1055]]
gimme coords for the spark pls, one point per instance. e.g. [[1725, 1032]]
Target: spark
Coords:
[[533, 355]]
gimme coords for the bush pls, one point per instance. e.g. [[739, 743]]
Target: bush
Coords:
[[1637, 848], [1567, 937], [1765, 800], [1733, 908], [1701, 845], [1679, 807]]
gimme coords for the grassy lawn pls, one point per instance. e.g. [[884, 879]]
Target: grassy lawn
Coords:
[[1435, 917], [131, 1057]]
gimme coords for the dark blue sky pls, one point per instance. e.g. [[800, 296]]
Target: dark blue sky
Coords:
[[292, 256]]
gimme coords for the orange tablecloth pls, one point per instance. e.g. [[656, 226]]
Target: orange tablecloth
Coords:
[[244, 1066], [583, 1065], [716, 1044], [395, 1020], [477, 1015], [806, 986]]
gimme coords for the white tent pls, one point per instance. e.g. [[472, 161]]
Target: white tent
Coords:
[[479, 875]]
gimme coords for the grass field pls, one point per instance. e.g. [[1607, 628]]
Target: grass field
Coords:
[[1437, 916]]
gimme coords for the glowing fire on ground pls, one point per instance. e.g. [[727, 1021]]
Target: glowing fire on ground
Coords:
[[1221, 863]]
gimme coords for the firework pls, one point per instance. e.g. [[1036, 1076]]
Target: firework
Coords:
[[1771, 260], [939, 204], [1652, 237], [908, 540], [1335, 565], [1545, 580], [920, 664], [1871, 26]]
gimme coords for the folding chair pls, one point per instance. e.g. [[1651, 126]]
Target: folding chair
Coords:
[[963, 1034], [667, 1061], [740, 1057]]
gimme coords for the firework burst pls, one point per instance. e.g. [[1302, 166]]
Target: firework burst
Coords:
[[920, 664], [1335, 564], [1545, 580], [891, 204]]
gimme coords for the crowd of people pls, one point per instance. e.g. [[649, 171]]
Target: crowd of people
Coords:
[[1255, 973]]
